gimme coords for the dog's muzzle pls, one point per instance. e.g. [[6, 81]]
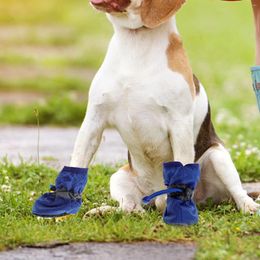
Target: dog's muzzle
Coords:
[[110, 6]]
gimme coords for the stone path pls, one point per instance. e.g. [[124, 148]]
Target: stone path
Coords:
[[104, 251], [56, 145]]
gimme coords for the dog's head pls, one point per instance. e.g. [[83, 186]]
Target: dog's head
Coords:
[[134, 14]]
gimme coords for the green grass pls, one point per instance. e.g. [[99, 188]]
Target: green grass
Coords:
[[222, 232], [46, 85], [59, 109]]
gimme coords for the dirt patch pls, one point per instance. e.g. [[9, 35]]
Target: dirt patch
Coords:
[[8, 33], [38, 51], [20, 98], [31, 72]]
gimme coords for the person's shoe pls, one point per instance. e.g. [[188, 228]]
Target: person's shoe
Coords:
[[256, 83], [65, 196], [181, 182]]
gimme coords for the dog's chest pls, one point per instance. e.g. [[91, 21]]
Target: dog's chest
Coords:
[[134, 98], [138, 83], [141, 114], [140, 105], [143, 109]]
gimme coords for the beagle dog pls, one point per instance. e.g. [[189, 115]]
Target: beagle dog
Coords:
[[146, 90]]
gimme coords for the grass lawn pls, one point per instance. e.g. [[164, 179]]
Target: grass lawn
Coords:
[[52, 48], [222, 232]]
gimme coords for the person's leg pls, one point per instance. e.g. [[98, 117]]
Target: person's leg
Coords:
[[256, 69], [256, 9]]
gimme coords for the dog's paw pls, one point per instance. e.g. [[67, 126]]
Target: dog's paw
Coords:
[[160, 203], [100, 211], [131, 207], [130, 204], [248, 205]]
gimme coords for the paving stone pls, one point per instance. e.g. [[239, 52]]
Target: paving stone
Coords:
[[56, 145], [104, 251]]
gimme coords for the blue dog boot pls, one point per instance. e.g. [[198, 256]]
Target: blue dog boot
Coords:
[[65, 197], [180, 208], [256, 83], [181, 182]]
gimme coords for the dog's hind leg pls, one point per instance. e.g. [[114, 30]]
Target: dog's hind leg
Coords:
[[124, 189], [220, 180]]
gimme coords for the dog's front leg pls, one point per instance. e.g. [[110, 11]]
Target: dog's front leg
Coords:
[[88, 138], [65, 198], [181, 137]]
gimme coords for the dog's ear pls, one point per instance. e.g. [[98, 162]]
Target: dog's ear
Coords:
[[156, 12]]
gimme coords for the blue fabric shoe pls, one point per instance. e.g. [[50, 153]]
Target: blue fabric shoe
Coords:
[[181, 182], [256, 83], [65, 196]]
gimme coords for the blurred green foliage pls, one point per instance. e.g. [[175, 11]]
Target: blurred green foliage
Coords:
[[57, 110], [59, 34]]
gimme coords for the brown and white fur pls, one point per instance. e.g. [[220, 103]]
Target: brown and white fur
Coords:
[[146, 90]]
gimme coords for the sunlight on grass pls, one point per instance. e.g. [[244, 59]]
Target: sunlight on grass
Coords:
[[218, 232]]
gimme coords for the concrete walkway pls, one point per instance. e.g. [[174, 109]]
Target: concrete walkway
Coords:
[[105, 251], [56, 145]]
